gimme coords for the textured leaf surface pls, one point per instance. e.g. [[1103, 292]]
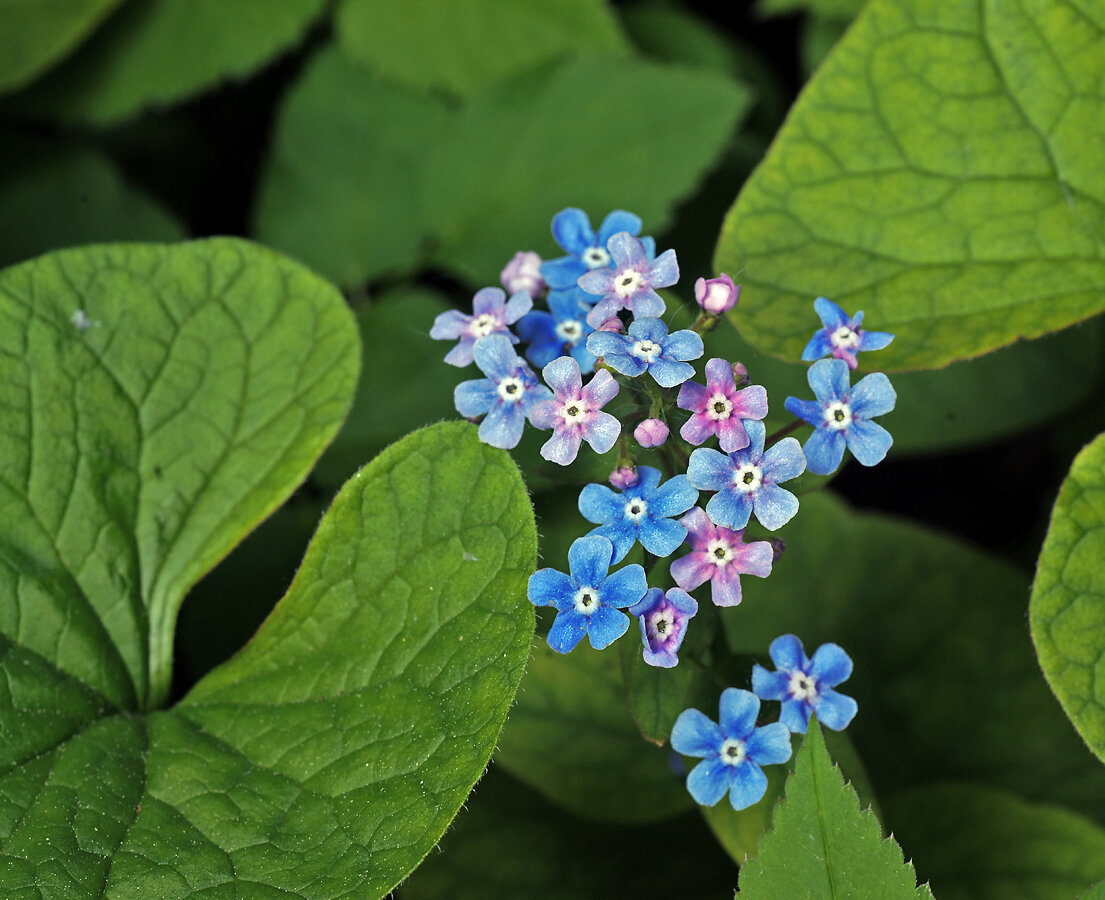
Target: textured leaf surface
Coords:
[[474, 44], [822, 845], [978, 843], [34, 36], [941, 171], [1068, 597], [156, 52]]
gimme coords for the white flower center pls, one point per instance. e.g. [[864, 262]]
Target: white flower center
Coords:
[[595, 258], [573, 412], [719, 552], [483, 325], [627, 283], [838, 416], [748, 478], [732, 752], [662, 623], [646, 350], [586, 600], [635, 510], [844, 338], [511, 389], [719, 408], [569, 331], [802, 686]]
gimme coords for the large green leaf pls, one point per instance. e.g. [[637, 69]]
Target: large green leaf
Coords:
[[1068, 597], [941, 171], [474, 44], [34, 36], [822, 845], [979, 843], [155, 52]]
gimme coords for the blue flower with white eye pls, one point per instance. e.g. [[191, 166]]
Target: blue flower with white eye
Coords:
[[641, 512], [649, 348], [806, 685], [505, 397], [492, 313], [561, 331], [631, 284], [841, 337], [588, 601], [571, 228], [842, 415], [733, 750]]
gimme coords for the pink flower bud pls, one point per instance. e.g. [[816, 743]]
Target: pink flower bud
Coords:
[[624, 477], [740, 375], [523, 273], [612, 324], [651, 433], [717, 295]]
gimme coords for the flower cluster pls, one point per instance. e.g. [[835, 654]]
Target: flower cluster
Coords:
[[599, 316]]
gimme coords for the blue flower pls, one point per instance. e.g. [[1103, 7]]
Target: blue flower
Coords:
[[747, 481], [506, 395], [663, 618], [588, 601], [842, 416], [492, 313], [649, 347], [632, 283], [806, 686], [732, 751], [561, 331], [641, 512], [571, 229], [841, 337]]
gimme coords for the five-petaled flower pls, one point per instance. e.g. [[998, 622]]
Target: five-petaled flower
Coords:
[[720, 556], [663, 618], [747, 481], [649, 348], [571, 228], [561, 331], [589, 600], [733, 749], [841, 337], [806, 685], [491, 314], [575, 412], [507, 394], [719, 408], [641, 512], [632, 283], [842, 415]]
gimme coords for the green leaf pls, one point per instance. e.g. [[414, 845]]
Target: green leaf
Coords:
[[939, 172], [1067, 610], [819, 36], [572, 738], [834, 9], [1097, 892], [932, 598], [822, 844], [34, 36], [475, 44], [156, 52], [979, 843]]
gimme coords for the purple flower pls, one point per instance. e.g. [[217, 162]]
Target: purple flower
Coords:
[[641, 512], [632, 283], [651, 433], [841, 337], [719, 408], [649, 347], [575, 413], [571, 229], [842, 415], [663, 619], [733, 749], [561, 331], [507, 394], [720, 556], [523, 273], [747, 481], [588, 600], [717, 295], [490, 315], [806, 686]]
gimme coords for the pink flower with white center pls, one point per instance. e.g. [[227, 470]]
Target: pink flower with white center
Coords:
[[720, 556], [491, 314], [632, 283], [663, 619], [719, 408], [717, 295], [523, 273], [575, 412]]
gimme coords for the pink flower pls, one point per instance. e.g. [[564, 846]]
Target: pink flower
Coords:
[[492, 313], [720, 556], [651, 433], [523, 273], [717, 295], [719, 408], [575, 412]]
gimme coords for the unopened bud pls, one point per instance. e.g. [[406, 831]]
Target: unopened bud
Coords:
[[523, 273], [740, 375], [778, 545], [651, 433], [613, 324], [717, 295], [623, 478]]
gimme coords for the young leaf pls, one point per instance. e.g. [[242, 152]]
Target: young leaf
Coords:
[[940, 168], [1067, 610], [822, 844]]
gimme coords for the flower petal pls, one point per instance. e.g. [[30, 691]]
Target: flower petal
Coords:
[[819, 344], [624, 587], [571, 229], [873, 396], [622, 534], [601, 432], [875, 340], [769, 745], [664, 271], [795, 715], [830, 665], [653, 597], [683, 345], [648, 328], [660, 537], [618, 220], [693, 396], [589, 560], [730, 509], [668, 373], [625, 249], [563, 446], [673, 498], [696, 734], [601, 343], [786, 652], [709, 470], [829, 380], [544, 414], [768, 685], [563, 273], [647, 304], [548, 586], [784, 461], [606, 626], [563, 376], [809, 410], [738, 709], [831, 315], [725, 588], [475, 397], [774, 506], [835, 710], [708, 781], [449, 325], [567, 630], [503, 425], [599, 504], [748, 785], [732, 435], [488, 301], [600, 390], [868, 442], [692, 570], [699, 428], [824, 449], [517, 306]]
